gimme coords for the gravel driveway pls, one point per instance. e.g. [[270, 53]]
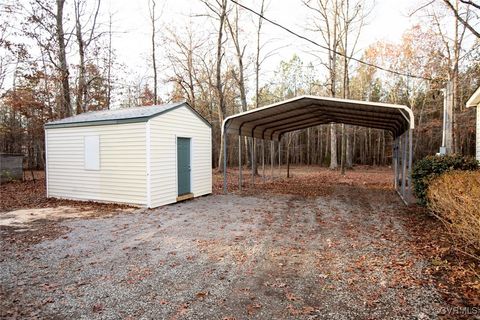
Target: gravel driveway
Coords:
[[342, 256]]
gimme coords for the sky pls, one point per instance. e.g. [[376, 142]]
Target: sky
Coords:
[[132, 33], [388, 20]]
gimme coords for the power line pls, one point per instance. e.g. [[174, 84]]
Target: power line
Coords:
[[328, 49]]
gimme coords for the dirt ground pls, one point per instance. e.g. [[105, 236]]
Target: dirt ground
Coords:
[[315, 246]]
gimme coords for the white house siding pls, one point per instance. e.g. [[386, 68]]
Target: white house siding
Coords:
[[122, 174], [165, 129]]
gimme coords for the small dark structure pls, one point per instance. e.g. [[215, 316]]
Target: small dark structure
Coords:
[[11, 167]]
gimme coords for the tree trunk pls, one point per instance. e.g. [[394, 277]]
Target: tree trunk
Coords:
[[240, 79], [82, 86], [289, 142], [154, 58], [219, 85], [308, 147], [65, 101], [455, 86], [109, 67], [333, 147], [349, 160]]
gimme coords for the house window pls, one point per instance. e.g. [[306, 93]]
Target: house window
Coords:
[[92, 152]]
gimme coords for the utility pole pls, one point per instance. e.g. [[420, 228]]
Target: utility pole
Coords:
[[447, 134]]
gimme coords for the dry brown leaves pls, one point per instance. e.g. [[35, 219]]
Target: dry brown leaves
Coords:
[[30, 194], [457, 276], [45, 231], [308, 182], [138, 274]]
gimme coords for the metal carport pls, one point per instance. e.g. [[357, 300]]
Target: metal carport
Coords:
[[273, 121]]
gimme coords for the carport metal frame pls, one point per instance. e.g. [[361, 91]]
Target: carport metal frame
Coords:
[[273, 121]]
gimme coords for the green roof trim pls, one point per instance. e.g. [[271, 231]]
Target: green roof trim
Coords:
[[96, 123]]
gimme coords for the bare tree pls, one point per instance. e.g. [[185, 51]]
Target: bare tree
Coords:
[[10, 50], [192, 65], [352, 19], [326, 21], [44, 24], [257, 54], [219, 10], [83, 45], [66, 104], [153, 20], [452, 54], [454, 8], [109, 62], [180, 55], [233, 27], [258, 62]]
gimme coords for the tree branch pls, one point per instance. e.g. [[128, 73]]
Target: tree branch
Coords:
[[459, 18]]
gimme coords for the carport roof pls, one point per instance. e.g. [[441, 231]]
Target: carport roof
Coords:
[[272, 121]]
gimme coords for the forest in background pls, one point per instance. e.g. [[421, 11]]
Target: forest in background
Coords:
[[57, 60]]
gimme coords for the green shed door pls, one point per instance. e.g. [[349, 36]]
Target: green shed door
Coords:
[[183, 165]]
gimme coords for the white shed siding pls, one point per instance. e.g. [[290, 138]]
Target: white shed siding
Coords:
[[165, 129], [122, 174]]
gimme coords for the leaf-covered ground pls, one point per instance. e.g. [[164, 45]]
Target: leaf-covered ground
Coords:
[[31, 193], [318, 246]]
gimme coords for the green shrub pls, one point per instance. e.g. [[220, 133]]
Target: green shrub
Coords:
[[430, 167]]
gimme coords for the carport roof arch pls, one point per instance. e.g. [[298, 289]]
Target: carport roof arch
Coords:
[[271, 121]]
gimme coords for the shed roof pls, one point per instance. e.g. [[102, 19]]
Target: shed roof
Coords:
[[474, 100], [118, 116], [272, 121]]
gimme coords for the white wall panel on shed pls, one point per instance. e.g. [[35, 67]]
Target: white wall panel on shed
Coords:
[[91, 148], [165, 129], [122, 173]]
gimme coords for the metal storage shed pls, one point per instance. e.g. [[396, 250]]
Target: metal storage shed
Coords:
[[145, 156], [474, 101], [273, 121]]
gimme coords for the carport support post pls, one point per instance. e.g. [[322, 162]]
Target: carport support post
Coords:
[[279, 159], [404, 164], [400, 162], [253, 160], [240, 163], [410, 160], [272, 147], [399, 155], [224, 162], [263, 160], [395, 163]]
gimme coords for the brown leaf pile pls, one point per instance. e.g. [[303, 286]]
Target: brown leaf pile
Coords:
[[32, 194], [311, 181], [457, 276]]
